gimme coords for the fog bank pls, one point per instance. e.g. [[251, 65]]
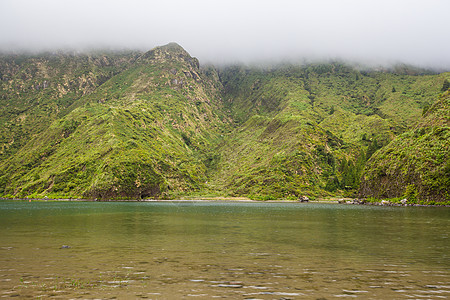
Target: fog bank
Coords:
[[375, 32]]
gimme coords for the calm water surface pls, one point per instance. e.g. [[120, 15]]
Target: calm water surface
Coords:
[[203, 250]]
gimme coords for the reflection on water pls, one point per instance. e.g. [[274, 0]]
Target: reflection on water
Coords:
[[162, 250]]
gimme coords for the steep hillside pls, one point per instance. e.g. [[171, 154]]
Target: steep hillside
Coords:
[[325, 87], [145, 132], [310, 129], [278, 158], [416, 165], [35, 90]]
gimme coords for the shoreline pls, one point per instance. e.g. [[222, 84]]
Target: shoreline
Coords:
[[343, 201], [181, 199]]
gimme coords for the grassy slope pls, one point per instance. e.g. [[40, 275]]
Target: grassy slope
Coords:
[[279, 151], [272, 157], [416, 165], [144, 133], [35, 90]]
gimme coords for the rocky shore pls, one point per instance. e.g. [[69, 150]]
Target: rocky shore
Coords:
[[403, 202]]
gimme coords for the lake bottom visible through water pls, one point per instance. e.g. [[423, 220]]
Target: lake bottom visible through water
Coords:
[[203, 250]]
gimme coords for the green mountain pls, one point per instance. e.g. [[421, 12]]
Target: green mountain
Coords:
[[155, 124], [310, 129], [144, 132]]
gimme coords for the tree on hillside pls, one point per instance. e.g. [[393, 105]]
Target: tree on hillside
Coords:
[[373, 146], [445, 85]]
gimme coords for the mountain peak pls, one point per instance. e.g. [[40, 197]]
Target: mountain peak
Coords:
[[169, 52], [172, 47]]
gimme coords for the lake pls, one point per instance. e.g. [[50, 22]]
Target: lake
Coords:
[[204, 250]]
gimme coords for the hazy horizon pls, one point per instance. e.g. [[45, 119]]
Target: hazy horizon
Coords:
[[370, 32]]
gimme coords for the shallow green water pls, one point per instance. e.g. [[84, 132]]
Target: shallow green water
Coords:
[[172, 250]]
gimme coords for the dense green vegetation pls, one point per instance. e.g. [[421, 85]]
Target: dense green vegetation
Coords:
[[416, 165], [310, 129], [155, 124], [143, 133], [35, 90]]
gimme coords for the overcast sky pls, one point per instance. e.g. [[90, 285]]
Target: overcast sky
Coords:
[[376, 31]]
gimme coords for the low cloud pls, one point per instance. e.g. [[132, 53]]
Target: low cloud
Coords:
[[373, 31]]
